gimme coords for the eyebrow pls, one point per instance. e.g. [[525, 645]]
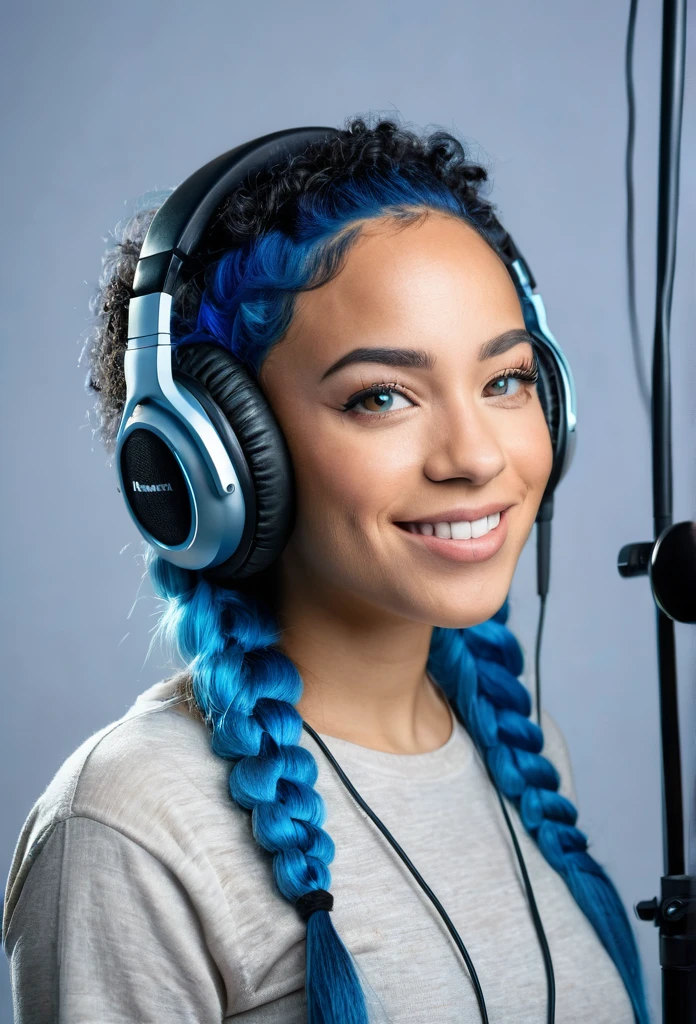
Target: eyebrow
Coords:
[[418, 359]]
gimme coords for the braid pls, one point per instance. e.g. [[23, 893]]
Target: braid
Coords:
[[286, 231], [246, 690], [478, 668]]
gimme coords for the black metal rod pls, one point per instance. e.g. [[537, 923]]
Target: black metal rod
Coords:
[[672, 97], [676, 912]]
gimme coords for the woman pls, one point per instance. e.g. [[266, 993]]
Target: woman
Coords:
[[153, 894]]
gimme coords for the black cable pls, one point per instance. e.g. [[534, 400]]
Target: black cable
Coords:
[[414, 871], [541, 934], [537, 656], [630, 215], [551, 987]]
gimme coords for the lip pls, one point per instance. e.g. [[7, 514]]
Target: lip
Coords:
[[457, 515], [477, 549]]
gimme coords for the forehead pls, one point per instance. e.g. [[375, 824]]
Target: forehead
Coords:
[[431, 282]]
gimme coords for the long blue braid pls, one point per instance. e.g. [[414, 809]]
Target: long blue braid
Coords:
[[478, 669], [245, 687]]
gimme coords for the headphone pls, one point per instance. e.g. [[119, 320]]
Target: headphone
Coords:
[[202, 463]]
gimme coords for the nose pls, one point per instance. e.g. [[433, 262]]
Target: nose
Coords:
[[464, 446]]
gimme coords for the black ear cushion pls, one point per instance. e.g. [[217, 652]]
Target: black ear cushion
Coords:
[[236, 392], [551, 398]]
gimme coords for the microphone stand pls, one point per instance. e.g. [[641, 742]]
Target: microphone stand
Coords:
[[670, 561]]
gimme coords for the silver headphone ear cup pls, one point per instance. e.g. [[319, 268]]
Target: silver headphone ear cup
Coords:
[[170, 493]]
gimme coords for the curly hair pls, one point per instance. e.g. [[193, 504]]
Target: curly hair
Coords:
[[288, 230]]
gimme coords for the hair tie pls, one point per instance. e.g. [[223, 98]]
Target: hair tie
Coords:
[[315, 899]]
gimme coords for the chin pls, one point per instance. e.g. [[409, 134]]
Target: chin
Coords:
[[472, 615], [457, 604]]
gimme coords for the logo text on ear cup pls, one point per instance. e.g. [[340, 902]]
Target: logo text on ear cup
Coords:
[[137, 486]]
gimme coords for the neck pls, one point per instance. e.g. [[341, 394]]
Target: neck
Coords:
[[364, 670]]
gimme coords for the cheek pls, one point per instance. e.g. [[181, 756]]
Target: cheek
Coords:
[[344, 474], [532, 453]]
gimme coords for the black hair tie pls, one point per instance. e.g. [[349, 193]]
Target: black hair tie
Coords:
[[315, 899]]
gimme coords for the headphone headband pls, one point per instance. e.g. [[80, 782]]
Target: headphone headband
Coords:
[[178, 226]]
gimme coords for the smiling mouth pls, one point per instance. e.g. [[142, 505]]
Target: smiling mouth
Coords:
[[463, 530], [463, 542]]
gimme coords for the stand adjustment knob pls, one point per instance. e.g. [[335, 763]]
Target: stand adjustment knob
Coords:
[[674, 910], [634, 559], [647, 909]]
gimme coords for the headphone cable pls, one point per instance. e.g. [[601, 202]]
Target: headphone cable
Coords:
[[537, 656], [411, 867], [551, 1002]]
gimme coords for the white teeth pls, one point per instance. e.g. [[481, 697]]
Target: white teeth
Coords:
[[479, 527], [461, 531], [457, 531]]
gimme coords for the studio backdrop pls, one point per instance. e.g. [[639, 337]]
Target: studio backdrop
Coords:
[[104, 102]]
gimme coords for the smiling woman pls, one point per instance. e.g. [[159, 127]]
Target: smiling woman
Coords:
[[361, 286]]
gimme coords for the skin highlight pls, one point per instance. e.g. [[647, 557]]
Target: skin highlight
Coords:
[[358, 596]]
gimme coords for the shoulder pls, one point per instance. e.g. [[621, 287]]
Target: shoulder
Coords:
[[555, 749], [151, 777]]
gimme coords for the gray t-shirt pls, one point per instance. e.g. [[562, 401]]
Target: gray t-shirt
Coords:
[[138, 895]]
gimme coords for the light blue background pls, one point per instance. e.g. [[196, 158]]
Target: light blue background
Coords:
[[105, 101]]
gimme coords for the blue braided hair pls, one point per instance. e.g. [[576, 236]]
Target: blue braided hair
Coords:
[[478, 669], [287, 232]]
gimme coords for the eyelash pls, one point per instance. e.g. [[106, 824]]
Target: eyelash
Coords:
[[527, 372]]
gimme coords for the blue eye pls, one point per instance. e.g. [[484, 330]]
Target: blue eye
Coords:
[[527, 373], [383, 395], [506, 379]]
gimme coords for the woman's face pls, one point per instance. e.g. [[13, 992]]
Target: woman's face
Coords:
[[442, 437]]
